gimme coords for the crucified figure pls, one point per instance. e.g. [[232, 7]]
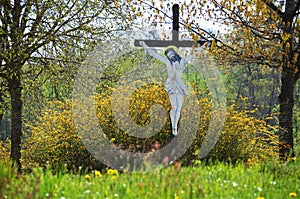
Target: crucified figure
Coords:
[[175, 86]]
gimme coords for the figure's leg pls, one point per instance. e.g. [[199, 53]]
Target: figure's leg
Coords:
[[173, 112], [179, 101]]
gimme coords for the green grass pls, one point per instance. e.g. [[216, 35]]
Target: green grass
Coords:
[[269, 180]]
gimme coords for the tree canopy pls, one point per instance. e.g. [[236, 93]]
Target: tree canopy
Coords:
[[38, 36]]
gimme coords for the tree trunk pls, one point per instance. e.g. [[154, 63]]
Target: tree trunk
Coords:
[[15, 91], [286, 101], [1, 106]]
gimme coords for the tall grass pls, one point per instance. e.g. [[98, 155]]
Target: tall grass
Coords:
[[269, 180]]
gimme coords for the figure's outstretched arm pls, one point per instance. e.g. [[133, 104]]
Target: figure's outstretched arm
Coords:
[[199, 50], [153, 53]]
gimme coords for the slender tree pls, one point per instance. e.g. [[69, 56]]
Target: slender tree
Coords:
[[271, 38], [44, 33]]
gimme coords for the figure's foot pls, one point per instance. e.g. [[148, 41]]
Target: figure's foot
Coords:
[[172, 136], [174, 132]]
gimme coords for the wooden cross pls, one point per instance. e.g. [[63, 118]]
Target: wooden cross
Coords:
[[175, 35]]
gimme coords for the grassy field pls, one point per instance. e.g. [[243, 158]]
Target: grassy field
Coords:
[[269, 180]]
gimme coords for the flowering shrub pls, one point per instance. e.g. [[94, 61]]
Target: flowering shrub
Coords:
[[243, 138], [53, 139], [5, 151], [138, 112]]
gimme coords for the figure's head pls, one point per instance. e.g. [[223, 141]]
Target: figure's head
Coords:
[[172, 53]]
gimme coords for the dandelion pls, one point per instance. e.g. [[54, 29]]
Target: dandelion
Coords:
[[294, 158], [293, 194], [113, 177], [260, 197], [98, 174], [87, 176], [112, 172]]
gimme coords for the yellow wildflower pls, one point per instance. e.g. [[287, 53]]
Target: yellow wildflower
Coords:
[[98, 174], [87, 176], [260, 197], [112, 172], [113, 177], [293, 194], [294, 158]]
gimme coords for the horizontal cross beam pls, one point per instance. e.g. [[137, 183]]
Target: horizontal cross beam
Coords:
[[166, 43]]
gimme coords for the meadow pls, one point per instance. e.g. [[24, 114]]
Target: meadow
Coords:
[[219, 180]]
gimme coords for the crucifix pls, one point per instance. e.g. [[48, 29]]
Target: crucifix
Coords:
[[175, 65]]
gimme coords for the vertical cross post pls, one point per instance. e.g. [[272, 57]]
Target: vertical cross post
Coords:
[[175, 30]]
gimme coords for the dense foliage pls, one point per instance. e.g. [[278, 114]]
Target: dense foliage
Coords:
[[53, 139]]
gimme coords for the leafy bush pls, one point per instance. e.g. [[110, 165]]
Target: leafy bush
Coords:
[[53, 139], [5, 151], [243, 138], [138, 112]]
